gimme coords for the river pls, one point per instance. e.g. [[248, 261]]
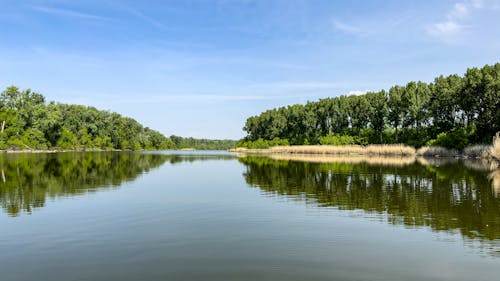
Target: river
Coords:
[[218, 216]]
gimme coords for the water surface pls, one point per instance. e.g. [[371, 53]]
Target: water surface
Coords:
[[215, 216]]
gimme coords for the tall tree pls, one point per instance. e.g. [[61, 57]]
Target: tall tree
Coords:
[[395, 107]]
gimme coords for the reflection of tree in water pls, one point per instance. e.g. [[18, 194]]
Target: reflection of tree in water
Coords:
[[178, 158], [444, 197], [26, 180]]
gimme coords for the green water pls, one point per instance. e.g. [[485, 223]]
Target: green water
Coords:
[[215, 216]]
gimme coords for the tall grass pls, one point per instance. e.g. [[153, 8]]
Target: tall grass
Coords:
[[474, 151], [477, 151], [385, 150], [437, 151], [495, 150]]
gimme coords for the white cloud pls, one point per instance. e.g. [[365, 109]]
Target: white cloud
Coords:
[[344, 27], [448, 27], [298, 86], [478, 4], [459, 11], [67, 13], [357, 93], [146, 18], [454, 23], [113, 99]]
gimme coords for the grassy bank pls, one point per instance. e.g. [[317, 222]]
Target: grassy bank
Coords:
[[495, 150], [58, 150], [474, 151], [386, 150]]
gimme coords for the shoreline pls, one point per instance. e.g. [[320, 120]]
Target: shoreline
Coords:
[[34, 151], [12, 151], [395, 150]]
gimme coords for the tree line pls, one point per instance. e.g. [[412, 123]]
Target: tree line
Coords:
[[28, 122], [452, 111]]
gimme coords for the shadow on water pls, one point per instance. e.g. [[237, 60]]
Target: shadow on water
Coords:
[[445, 195], [27, 180]]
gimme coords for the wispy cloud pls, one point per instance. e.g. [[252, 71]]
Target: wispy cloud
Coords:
[[347, 28], [454, 22], [146, 18], [357, 92], [67, 13], [108, 99], [298, 86]]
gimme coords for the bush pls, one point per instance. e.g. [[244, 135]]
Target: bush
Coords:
[[262, 144], [340, 140], [454, 139]]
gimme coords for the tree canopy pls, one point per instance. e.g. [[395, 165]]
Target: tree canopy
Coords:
[[465, 107], [28, 122]]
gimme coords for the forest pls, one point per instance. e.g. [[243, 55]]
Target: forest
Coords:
[[27, 122], [452, 111]]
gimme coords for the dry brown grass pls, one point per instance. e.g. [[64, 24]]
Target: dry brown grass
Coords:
[[437, 151], [385, 150], [495, 149], [477, 151]]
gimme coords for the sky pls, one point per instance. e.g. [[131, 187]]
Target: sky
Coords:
[[200, 68]]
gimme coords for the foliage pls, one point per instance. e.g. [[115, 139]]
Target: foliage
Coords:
[[202, 144], [30, 123], [262, 144], [412, 114], [341, 140], [455, 139]]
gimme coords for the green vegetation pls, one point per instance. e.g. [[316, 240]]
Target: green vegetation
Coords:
[[340, 140], [27, 122], [202, 144], [262, 144], [451, 111]]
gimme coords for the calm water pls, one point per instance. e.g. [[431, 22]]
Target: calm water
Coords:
[[215, 216]]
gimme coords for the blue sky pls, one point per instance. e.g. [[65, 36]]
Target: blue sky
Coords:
[[200, 68]]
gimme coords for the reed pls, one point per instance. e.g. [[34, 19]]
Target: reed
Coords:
[[495, 149], [474, 151], [437, 151], [477, 151], [385, 150]]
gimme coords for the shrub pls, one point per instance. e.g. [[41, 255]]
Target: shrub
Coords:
[[454, 139], [477, 151], [340, 140], [432, 151], [262, 144]]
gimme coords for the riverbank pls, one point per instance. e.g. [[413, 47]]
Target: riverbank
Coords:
[[398, 150], [11, 151]]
